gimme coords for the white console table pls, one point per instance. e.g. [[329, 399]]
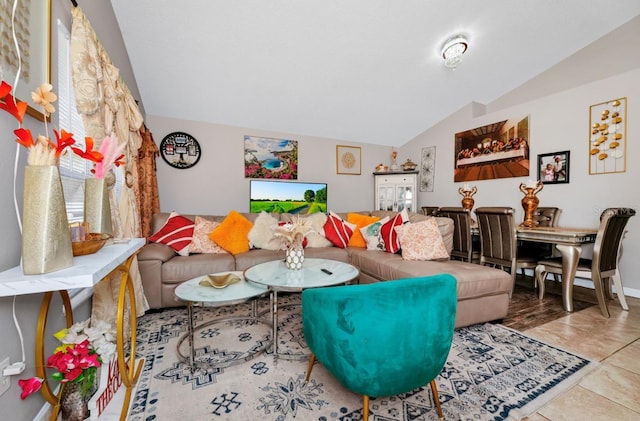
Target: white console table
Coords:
[[86, 271]]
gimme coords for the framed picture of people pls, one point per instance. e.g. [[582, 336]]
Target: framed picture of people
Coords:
[[553, 168]]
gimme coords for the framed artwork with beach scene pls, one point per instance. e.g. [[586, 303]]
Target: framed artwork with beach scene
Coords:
[[265, 157]]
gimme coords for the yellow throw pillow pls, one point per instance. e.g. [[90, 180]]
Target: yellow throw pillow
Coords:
[[233, 233], [360, 221]]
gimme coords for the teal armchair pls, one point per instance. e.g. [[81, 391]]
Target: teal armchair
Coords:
[[382, 339]]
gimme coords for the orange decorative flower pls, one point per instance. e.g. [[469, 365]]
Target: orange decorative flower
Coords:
[[88, 153], [9, 104]]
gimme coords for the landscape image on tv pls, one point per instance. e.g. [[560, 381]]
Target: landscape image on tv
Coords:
[[288, 197]]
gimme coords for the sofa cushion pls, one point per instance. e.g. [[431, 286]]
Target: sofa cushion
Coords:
[[261, 234], [247, 259], [156, 251], [359, 220], [473, 280], [337, 230], [421, 241], [183, 268], [201, 243], [176, 233], [389, 234], [372, 236], [232, 233]]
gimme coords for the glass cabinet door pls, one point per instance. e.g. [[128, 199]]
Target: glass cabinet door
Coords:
[[386, 199], [404, 198], [395, 192]]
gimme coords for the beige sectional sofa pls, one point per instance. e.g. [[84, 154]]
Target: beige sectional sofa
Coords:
[[483, 292]]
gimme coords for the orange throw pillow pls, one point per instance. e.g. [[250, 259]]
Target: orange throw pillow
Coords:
[[360, 221], [233, 233]]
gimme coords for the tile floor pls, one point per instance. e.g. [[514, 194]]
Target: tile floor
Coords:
[[612, 390]]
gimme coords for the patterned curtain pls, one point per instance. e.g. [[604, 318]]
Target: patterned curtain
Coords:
[[149, 198], [107, 107]]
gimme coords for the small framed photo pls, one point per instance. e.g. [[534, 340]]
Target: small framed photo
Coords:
[[348, 160], [553, 168]]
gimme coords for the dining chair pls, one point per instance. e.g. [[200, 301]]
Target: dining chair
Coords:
[[602, 268], [534, 251], [382, 339], [463, 240], [498, 240], [430, 210]]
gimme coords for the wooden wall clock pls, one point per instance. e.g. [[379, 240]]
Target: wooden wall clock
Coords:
[[180, 150]]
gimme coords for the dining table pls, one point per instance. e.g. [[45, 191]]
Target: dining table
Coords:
[[568, 241]]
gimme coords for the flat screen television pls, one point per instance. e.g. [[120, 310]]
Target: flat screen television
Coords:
[[288, 196]]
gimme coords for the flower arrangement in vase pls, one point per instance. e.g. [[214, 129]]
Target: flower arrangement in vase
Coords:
[[84, 348], [46, 238], [97, 210], [292, 235]]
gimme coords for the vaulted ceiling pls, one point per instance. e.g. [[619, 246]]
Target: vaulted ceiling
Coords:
[[352, 70]]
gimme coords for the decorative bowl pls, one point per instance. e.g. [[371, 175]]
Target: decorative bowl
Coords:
[[94, 242], [409, 165]]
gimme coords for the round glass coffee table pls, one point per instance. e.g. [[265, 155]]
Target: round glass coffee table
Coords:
[[242, 291], [315, 273]]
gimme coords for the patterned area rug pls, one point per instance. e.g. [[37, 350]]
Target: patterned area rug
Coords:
[[492, 373]]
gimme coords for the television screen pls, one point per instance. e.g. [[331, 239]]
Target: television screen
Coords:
[[288, 196]]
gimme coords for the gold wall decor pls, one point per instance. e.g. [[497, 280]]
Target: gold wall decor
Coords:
[[608, 137], [348, 160]]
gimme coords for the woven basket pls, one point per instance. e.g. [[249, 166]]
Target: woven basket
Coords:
[[92, 244]]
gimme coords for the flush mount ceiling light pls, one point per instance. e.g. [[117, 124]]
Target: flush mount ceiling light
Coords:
[[453, 49]]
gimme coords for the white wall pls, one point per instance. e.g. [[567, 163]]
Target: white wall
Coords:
[[557, 122], [216, 184]]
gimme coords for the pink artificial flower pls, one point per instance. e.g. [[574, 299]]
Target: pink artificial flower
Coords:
[[29, 386], [111, 151]]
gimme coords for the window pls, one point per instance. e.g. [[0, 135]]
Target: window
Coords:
[[73, 169]]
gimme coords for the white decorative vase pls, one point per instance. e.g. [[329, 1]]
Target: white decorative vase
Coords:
[[97, 211], [294, 257], [46, 238]]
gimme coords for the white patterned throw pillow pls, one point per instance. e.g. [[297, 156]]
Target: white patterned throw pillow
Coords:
[[421, 241]]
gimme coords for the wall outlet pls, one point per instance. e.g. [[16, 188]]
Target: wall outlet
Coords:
[[5, 381]]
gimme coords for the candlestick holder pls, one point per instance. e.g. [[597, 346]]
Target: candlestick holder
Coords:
[[467, 197], [530, 202]]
